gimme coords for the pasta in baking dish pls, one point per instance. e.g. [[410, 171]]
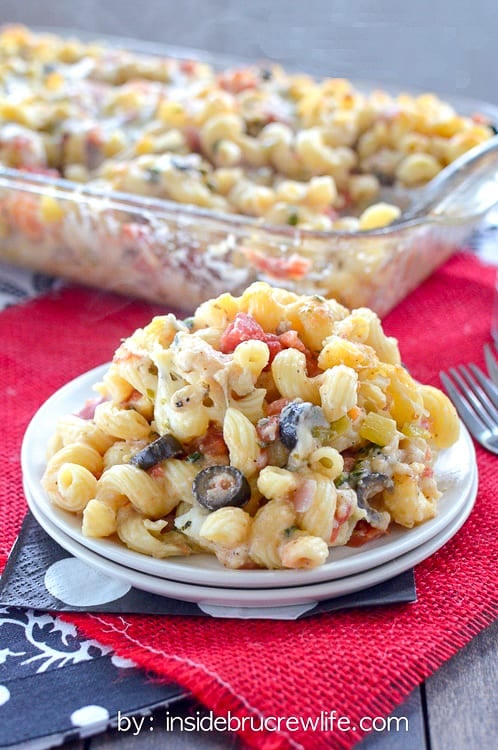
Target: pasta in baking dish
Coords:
[[255, 140], [265, 429]]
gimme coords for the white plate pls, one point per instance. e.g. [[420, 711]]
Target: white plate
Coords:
[[455, 470], [226, 602]]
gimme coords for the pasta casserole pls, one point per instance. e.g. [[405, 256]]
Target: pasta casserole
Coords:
[[265, 430], [177, 179], [253, 140]]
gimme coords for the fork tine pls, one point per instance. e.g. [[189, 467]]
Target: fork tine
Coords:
[[486, 402], [464, 409], [489, 387], [473, 399], [491, 363]]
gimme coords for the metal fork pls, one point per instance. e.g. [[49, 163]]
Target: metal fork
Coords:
[[476, 399], [491, 363]]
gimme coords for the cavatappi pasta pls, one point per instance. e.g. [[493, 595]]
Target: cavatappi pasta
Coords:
[[265, 429], [257, 141]]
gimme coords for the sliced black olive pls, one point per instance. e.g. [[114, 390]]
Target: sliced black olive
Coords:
[[164, 447], [299, 417], [368, 486], [219, 486]]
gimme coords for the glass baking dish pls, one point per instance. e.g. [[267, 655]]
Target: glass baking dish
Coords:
[[181, 255]]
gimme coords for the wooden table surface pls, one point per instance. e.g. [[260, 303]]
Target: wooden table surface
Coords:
[[430, 44]]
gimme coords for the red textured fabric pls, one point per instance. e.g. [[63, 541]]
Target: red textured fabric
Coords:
[[358, 663]]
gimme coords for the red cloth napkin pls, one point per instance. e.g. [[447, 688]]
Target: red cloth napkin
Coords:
[[357, 663]]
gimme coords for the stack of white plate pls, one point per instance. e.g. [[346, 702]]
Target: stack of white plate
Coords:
[[201, 578]]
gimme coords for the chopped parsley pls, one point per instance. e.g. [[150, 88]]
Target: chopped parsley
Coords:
[[216, 145], [343, 478], [288, 532], [293, 219], [195, 456], [153, 175]]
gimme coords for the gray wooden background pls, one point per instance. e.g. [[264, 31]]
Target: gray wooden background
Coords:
[[442, 45]]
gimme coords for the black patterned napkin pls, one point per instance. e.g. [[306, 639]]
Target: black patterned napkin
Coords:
[[89, 686], [78, 688], [38, 569]]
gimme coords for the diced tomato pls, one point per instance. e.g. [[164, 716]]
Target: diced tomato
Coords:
[[211, 444], [245, 328], [293, 267], [187, 66], [236, 81], [345, 199], [364, 533], [290, 340], [276, 406], [191, 135], [157, 471], [25, 216]]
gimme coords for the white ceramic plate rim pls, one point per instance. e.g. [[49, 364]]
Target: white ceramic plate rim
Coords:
[[269, 598], [458, 462]]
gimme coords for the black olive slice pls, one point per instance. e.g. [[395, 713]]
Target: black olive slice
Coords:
[[296, 416], [368, 486], [164, 447], [220, 486]]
